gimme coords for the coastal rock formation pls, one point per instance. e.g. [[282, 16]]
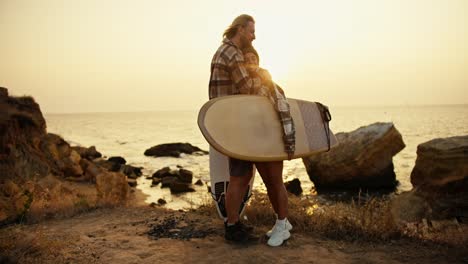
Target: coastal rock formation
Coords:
[[363, 159], [441, 161], [178, 181], [173, 150], [87, 153], [440, 182], [112, 187], [29, 156], [22, 127]]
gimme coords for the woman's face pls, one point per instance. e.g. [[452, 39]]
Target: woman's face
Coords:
[[250, 59]]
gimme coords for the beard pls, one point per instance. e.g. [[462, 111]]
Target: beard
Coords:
[[244, 42]]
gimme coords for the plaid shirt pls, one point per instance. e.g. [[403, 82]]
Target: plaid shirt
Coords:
[[228, 74], [229, 77]]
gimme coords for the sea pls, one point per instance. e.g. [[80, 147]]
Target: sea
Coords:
[[129, 134]]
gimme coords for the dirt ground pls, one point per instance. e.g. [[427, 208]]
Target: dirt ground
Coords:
[[143, 234]]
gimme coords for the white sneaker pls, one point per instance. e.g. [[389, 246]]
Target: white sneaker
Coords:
[[288, 227], [278, 235]]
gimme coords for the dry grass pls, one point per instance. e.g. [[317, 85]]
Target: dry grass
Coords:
[[362, 220], [20, 247]]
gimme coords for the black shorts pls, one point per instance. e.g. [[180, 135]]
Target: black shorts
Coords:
[[239, 168]]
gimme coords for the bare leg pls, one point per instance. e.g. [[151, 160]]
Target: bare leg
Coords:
[[234, 195], [272, 175]]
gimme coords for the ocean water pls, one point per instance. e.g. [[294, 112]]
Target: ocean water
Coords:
[[130, 134]]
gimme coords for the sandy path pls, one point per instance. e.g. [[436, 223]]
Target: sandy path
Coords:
[[119, 235]]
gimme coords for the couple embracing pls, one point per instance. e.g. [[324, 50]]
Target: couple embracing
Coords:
[[235, 70]]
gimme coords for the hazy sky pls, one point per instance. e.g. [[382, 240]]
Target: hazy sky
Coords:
[[123, 55]]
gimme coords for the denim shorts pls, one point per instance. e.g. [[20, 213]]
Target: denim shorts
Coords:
[[240, 168]]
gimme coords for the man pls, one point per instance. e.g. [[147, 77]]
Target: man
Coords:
[[229, 77]]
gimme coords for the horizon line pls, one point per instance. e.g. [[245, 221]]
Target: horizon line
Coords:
[[192, 110]]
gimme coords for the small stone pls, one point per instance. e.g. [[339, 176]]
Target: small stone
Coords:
[[161, 201], [199, 182]]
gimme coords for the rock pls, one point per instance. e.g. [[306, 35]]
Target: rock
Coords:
[[199, 182], [10, 189], [440, 178], [161, 201], [132, 182], [441, 161], [87, 153], [72, 164], [363, 159], [409, 207], [108, 165], [3, 93], [112, 188], [90, 169], [130, 171], [185, 175], [167, 181], [172, 150], [180, 187], [155, 181], [118, 160], [165, 172], [294, 187]]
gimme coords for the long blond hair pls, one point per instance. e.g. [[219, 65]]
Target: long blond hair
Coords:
[[240, 21]]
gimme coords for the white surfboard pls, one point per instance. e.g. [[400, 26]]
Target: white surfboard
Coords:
[[219, 175]]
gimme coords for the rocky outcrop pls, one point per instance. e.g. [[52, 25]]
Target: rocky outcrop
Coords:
[[173, 150], [363, 159], [112, 188], [441, 161], [87, 153], [440, 182], [22, 127], [178, 181]]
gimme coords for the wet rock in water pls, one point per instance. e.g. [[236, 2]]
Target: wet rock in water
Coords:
[[363, 159], [161, 201], [155, 181], [199, 182], [172, 150], [132, 182], [440, 180], [87, 153], [165, 172], [130, 171], [185, 175], [118, 160], [181, 187], [294, 186], [167, 181]]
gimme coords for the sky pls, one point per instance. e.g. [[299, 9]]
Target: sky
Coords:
[[142, 55]]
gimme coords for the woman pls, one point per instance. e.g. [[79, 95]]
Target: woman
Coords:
[[272, 172]]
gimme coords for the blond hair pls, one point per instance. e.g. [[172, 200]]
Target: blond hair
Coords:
[[240, 21]]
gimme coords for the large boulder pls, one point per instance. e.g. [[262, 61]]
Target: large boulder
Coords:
[[441, 161], [173, 150], [363, 159], [112, 188], [440, 180]]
